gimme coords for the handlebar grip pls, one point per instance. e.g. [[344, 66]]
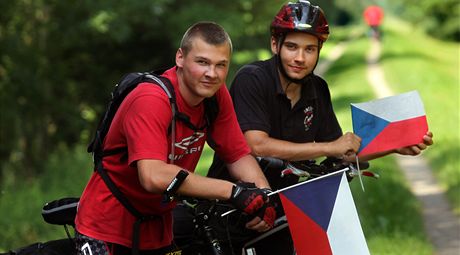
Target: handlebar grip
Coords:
[[271, 162]]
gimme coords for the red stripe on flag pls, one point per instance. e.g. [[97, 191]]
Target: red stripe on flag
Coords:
[[398, 134], [309, 237]]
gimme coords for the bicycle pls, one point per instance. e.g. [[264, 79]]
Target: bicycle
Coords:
[[210, 219], [219, 222]]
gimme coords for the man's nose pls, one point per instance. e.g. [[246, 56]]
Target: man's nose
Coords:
[[300, 56], [211, 71]]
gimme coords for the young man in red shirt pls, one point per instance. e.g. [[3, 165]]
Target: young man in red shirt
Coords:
[[142, 125]]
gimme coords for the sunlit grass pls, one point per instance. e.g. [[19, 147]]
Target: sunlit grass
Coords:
[[205, 161], [431, 66], [386, 232], [389, 213]]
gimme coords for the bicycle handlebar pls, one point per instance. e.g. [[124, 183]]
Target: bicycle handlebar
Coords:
[[310, 169], [271, 162]]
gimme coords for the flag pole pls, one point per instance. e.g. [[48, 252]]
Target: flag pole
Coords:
[[295, 185], [308, 181]]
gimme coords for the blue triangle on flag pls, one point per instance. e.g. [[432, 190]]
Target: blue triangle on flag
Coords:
[[316, 199], [366, 125]]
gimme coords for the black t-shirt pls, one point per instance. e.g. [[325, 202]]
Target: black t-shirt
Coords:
[[261, 104]]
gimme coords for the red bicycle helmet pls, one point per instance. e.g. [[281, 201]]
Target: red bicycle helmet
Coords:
[[302, 17]]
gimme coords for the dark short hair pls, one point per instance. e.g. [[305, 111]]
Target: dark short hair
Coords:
[[211, 32]]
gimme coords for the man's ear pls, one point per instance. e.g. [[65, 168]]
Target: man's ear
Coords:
[[180, 58], [274, 45]]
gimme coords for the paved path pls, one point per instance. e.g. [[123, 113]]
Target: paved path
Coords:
[[441, 225]]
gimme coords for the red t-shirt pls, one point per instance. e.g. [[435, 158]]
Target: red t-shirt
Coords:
[[141, 123], [373, 15]]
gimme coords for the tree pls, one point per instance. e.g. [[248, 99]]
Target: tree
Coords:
[[441, 19], [60, 59]]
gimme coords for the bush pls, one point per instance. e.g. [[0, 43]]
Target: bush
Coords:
[[22, 197]]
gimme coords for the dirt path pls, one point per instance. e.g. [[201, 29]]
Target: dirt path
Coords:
[[441, 225]]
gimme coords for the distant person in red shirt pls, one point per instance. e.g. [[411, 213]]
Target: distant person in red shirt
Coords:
[[373, 15]]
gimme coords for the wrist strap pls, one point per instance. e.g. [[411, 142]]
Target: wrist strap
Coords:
[[172, 188]]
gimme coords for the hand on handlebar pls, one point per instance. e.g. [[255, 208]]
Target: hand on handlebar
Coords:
[[253, 201]]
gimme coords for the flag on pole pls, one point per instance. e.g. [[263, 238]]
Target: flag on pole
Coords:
[[389, 123], [322, 217]]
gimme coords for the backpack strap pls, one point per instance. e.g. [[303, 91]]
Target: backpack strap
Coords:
[[125, 202], [98, 155], [169, 90], [127, 84]]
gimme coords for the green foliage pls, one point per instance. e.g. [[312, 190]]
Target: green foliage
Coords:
[[438, 18], [60, 59], [22, 199]]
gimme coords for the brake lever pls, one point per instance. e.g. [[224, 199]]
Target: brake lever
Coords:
[[354, 172], [290, 169], [370, 174]]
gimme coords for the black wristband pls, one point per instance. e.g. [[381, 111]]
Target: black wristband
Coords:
[[172, 188]]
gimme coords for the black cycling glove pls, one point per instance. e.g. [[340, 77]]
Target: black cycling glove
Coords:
[[253, 201]]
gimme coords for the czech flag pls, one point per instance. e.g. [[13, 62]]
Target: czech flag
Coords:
[[322, 217], [389, 123]]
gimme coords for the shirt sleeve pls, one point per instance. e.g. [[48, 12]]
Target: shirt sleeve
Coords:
[[146, 124], [251, 102]]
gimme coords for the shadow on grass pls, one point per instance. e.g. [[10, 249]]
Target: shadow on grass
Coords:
[[393, 51], [389, 213], [351, 60]]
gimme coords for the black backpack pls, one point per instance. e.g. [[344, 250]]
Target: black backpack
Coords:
[[127, 84]]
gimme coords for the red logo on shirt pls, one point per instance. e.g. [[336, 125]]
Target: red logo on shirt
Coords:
[[186, 142], [186, 145], [308, 120]]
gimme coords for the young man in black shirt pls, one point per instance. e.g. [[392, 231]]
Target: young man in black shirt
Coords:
[[283, 108]]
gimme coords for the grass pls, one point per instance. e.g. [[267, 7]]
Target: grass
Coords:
[[389, 214], [386, 231], [430, 66], [21, 200]]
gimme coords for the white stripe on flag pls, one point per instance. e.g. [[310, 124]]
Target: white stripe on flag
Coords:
[[344, 232], [395, 108]]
